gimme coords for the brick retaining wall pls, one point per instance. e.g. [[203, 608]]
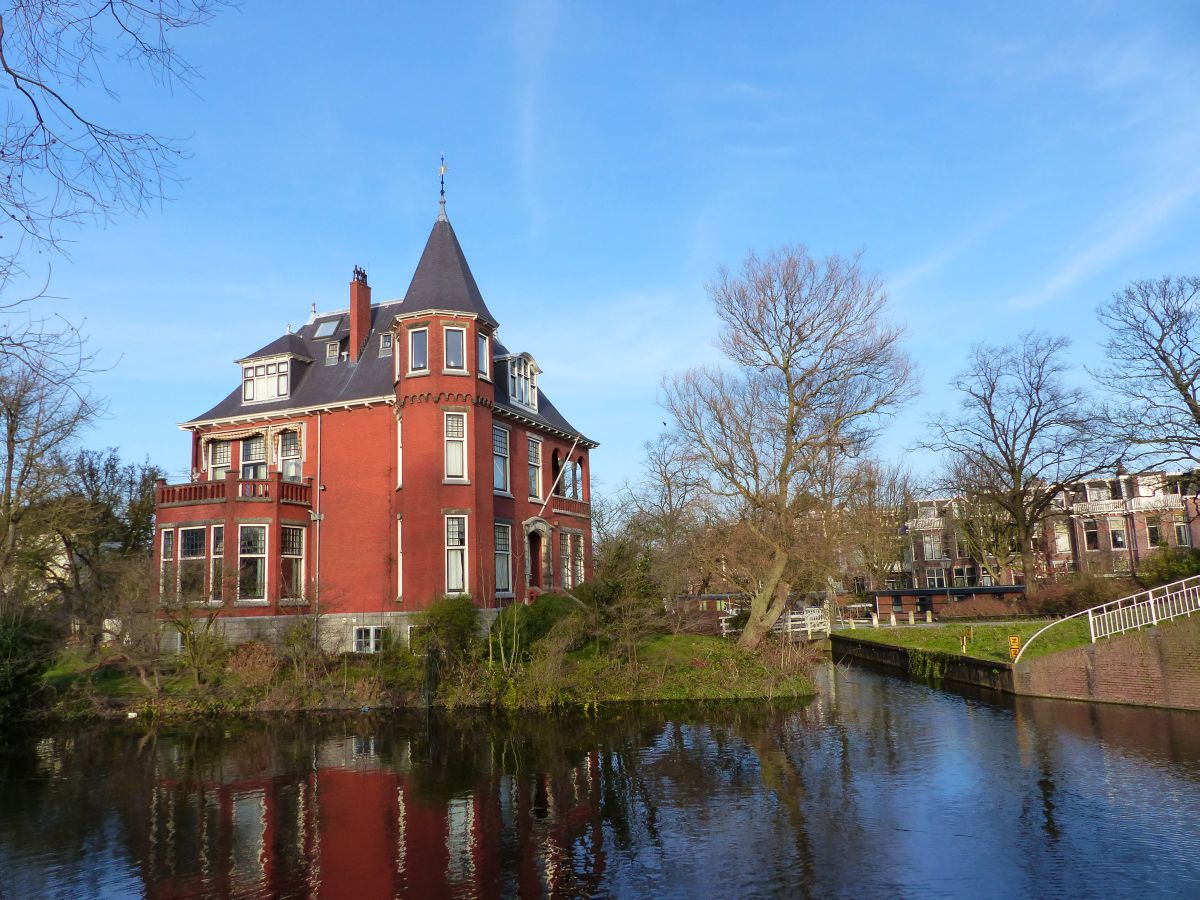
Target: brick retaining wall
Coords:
[[1153, 667]]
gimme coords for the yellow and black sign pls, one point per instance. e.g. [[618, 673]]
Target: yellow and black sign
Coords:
[[1014, 645]]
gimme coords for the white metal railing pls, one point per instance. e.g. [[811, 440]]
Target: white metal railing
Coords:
[[1160, 604], [808, 620], [1168, 601], [1130, 504]]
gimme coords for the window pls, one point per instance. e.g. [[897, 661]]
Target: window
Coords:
[[535, 468], [503, 559], [418, 350], [564, 560], [254, 458], [577, 482], [556, 484], [252, 562], [985, 579], [167, 576], [1183, 537], [571, 559], [191, 563], [577, 558], [331, 353], [964, 576], [289, 455], [326, 328], [385, 344], [399, 559], [456, 445], [1062, 538], [935, 578], [500, 458], [570, 488], [931, 546], [1116, 534], [456, 554], [483, 359], [368, 638], [291, 563], [265, 381], [456, 349], [218, 460], [216, 580], [522, 382], [1091, 535], [858, 584], [1154, 534]]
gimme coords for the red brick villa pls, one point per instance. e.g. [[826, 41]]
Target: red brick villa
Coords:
[[382, 456]]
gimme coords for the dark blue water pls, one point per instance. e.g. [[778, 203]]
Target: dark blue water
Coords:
[[878, 788]]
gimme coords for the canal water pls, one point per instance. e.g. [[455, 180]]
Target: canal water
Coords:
[[877, 788]]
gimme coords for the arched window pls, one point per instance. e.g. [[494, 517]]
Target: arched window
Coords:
[[522, 381], [555, 468], [577, 481]]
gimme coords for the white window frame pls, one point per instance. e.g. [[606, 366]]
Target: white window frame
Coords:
[[503, 560], [265, 555], [932, 576], [1150, 541], [577, 568], [297, 457], [372, 638], [213, 466], [1094, 530], [332, 352], [483, 356], [1183, 534], [534, 449], [244, 461], [179, 558], [446, 367], [412, 336], [165, 558], [400, 453], [462, 549], [564, 560], [273, 382], [1116, 527], [506, 487], [522, 382], [446, 444], [216, 567], [385, 344], [299, 557]]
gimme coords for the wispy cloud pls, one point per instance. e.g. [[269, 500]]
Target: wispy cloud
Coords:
[[534, 26], [929, 267]]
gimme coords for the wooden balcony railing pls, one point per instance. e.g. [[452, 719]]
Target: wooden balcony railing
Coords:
[[273, 488]]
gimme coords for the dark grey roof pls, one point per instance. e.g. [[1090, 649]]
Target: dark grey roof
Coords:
[[289, 343], [443, 280], [316, 384], [547, 415]]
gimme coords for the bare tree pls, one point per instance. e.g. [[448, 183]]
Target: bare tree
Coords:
[[1021, 435], [813, 371], [872, 519], [983, 528], [39, 419], [1153, 371]]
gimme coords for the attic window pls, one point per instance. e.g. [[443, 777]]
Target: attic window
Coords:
[[522, 382], [331, 353], [327, 328], [385, 344], [265, 381]]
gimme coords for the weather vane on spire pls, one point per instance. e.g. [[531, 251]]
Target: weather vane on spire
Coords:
[[442, 201]]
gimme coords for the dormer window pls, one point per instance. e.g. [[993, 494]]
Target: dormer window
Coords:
[[265, 381], [385, 344], [331, 353], [522, 382]]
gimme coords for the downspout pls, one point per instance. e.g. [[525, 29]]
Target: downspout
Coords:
[[319, 517]]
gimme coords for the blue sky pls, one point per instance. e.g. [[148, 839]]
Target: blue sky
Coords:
[[1003, 166]]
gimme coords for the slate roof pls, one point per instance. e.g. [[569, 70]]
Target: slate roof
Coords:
[[443, 281]]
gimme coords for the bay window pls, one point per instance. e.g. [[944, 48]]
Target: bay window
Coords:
[[503, 559], [456, 445], [418, 350], [289, 455], [456, 349], [191, 563], [216, 578], [500, 458], [456, 554], [218, 460], [483, 359], [254, 458], [252, 562]]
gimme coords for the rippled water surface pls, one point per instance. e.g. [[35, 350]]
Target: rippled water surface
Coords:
[[878, 788]]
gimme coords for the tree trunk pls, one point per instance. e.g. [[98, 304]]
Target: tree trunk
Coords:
[[766, 606], [1027, 565]]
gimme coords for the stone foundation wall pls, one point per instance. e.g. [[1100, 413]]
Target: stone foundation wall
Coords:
[[1153, 667]]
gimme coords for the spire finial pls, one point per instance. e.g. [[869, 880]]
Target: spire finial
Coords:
[[442, 201]]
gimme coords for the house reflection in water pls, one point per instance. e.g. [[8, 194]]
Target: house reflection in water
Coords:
[[350, 821]]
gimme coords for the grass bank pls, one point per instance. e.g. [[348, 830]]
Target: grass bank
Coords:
[[664, 667], [987, 641]]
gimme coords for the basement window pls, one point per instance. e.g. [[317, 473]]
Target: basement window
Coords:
[[368, 638]]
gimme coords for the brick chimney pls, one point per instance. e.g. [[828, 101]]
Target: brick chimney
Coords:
[[360, 312]]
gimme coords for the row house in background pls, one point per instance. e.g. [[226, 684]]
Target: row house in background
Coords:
[[382, 456], [1101, 526]]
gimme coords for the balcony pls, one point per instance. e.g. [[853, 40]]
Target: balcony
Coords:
[[568, 507], [1132, 505], [248, 490]]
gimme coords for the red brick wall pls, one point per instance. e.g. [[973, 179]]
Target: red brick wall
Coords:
[[1154, 667]]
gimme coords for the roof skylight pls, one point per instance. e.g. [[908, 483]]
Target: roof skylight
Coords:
[[328, 327]]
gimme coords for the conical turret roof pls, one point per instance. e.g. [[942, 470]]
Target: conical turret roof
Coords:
[[443, 280]]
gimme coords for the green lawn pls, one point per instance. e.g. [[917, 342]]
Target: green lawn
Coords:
[[988, 642]]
